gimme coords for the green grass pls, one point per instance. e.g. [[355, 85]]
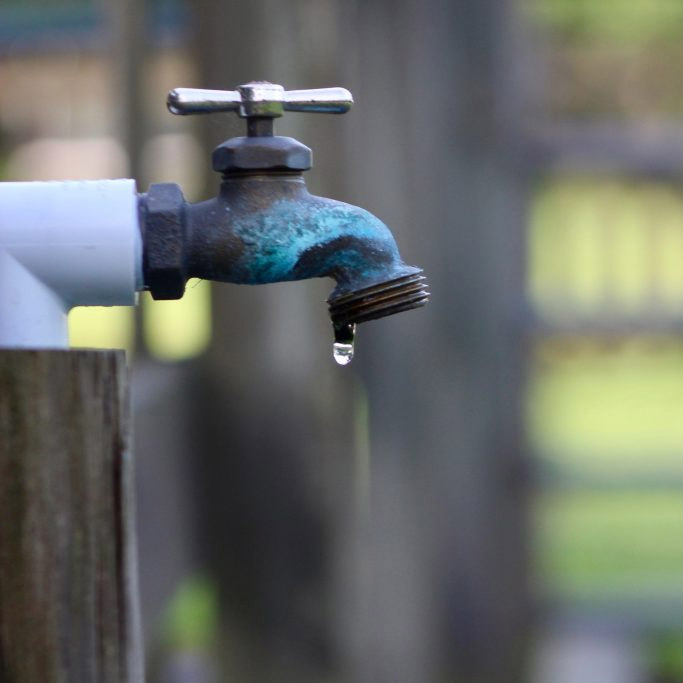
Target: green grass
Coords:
[[609, 411], [618, 544], [192, 616], [599, 243], [608, 414], [614, 21]]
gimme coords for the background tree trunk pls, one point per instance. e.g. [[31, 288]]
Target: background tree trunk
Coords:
[[369, 523]]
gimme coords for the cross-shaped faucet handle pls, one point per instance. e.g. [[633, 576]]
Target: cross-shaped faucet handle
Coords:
[[259, 99]]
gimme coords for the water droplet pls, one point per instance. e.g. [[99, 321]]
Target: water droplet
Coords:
[[343, 353], [342, 349]]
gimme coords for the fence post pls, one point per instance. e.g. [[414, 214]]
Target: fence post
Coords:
[[68, 583]]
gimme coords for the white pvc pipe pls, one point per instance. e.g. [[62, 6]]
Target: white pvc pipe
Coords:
[[64, 244]]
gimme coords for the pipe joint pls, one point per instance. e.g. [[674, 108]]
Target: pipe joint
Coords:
[[64, 244]]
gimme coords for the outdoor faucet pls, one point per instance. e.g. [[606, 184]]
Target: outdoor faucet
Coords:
[[264, 226], [76, 243]]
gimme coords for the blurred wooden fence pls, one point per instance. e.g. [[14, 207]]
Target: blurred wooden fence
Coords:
[[68, 567], [371, 525]]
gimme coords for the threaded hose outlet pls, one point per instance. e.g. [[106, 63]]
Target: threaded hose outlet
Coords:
[[380, 300]]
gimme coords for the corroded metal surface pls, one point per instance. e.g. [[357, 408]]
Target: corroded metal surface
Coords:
[[267, 228], [264, 226], [378, 301]]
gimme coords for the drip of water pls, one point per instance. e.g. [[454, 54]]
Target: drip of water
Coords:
[[342, 349], [342, 353]]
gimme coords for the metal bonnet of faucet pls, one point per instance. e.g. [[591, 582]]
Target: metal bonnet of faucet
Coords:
[[264, 226], [259, 103]]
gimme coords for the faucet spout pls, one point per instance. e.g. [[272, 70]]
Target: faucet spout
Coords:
[[274, 230], [265, 228]]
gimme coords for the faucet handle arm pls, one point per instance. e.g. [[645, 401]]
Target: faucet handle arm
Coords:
[[259, 100], [321, 101], [194, 101]]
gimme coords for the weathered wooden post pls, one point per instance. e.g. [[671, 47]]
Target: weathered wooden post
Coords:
[[68, 593]]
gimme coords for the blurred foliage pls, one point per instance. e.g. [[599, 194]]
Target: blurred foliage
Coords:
[[176, 330], [616, 21], [610, 412], [666, 656], [617, 545], [100, 327], [615, 59], [192, 617], [605, 244], [605, 413], [172, 330]]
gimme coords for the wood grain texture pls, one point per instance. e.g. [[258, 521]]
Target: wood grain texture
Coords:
[[68, 586]]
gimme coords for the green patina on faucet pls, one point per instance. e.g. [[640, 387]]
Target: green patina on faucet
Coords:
[[264, 226]]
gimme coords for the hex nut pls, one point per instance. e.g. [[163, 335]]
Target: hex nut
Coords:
[[277, 153], [163, 257]]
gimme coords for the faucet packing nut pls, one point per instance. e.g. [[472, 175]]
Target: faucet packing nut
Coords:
[[277, 153], [162, 259]]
